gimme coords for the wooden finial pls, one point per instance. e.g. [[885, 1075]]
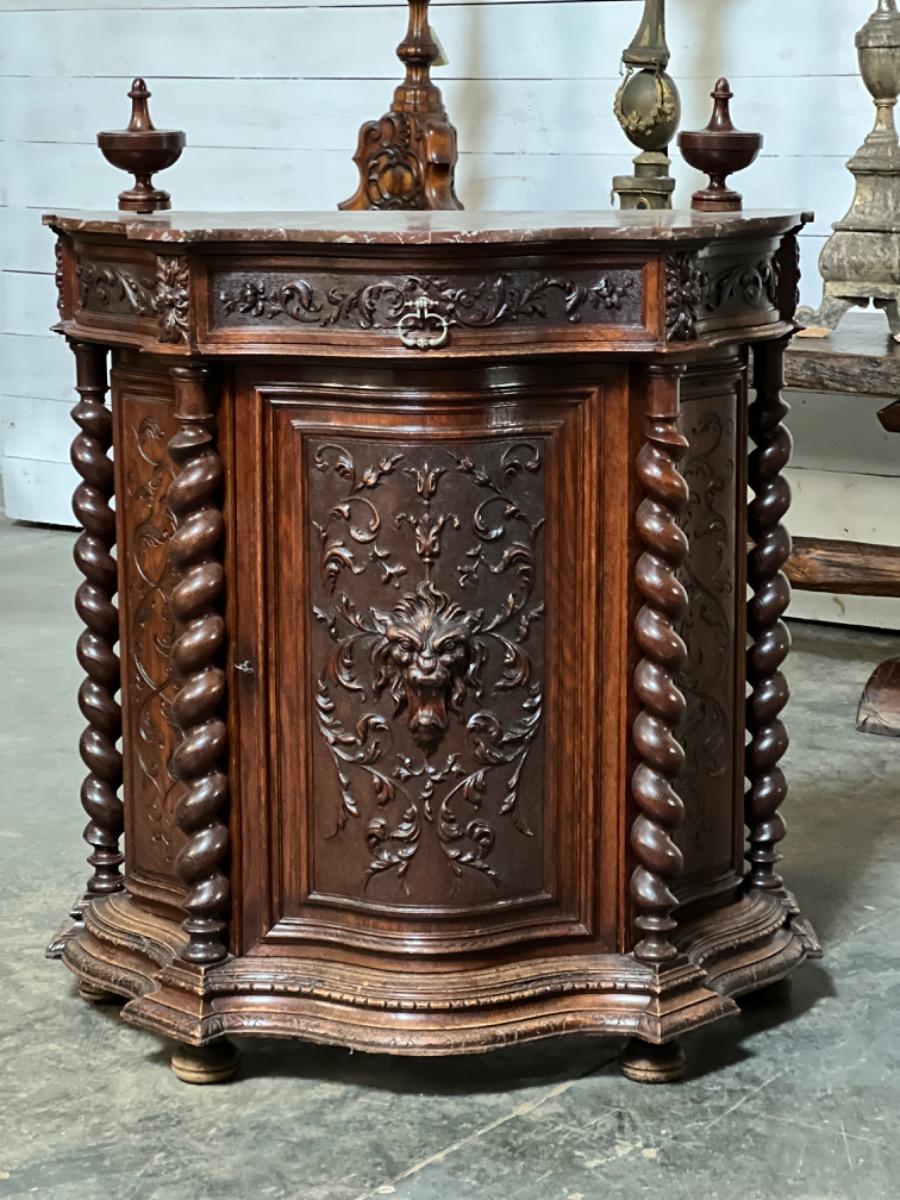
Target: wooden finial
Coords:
[[719, 150], [407, 159], [143, 150]]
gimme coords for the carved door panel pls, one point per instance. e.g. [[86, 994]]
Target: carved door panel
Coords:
[[431, 666]]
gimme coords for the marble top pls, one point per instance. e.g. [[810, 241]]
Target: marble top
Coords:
[[426, 228]]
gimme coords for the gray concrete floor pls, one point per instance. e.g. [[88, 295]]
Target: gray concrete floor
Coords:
[[800, 1100]]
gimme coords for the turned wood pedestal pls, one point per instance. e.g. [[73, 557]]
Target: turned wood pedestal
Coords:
[[414, 596]]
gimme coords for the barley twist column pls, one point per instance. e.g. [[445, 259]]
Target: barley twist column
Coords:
[[94, 602], [196, 658], [663, 706], [771, 640]]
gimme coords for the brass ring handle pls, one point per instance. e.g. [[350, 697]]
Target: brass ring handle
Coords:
[[423, 329]]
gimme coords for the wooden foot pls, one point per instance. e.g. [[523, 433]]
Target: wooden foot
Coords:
[[778, 992], [645, 1063], [215, 1063], [879, 709], [97, 995]]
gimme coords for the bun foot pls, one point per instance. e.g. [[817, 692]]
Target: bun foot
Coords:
[[215, 1063], [97, 995], [773, 993], [645, 1063]]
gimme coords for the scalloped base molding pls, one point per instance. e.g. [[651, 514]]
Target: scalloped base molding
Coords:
[[123, 949]]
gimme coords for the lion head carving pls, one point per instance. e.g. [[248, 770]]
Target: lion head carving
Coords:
[[428, 658]]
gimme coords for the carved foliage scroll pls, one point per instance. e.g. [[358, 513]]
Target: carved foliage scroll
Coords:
[[151, 635], [426, 567], [708, 629], [117, 288], [699, 289], [466, 301]]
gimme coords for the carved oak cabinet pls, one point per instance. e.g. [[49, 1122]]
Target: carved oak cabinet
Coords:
[[415, 614]]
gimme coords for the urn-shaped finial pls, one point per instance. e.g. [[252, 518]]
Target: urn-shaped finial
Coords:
[[143, 150], [719, 150]]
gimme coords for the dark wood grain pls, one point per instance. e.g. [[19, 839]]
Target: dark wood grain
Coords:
[[859, 359], [770, 639], [431, 654], [848, 568], [95, 602]]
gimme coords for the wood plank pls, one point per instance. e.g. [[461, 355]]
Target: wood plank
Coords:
[[37, 366], [528, 117], [537, 38], [848, 568], [35, 427], [860, 358], [52, 176], [34, 490]]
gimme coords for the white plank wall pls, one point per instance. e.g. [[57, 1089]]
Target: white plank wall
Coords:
[[271, 96]]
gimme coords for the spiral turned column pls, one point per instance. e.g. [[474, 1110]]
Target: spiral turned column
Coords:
[[663, 706], [771, 594], [196, 659], [94, 602]]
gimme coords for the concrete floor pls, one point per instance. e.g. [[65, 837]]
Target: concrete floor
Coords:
[[800, 1100]]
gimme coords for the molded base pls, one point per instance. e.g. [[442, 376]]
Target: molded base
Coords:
[[736, 949]]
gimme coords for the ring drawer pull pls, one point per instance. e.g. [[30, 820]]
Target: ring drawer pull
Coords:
[[423, 329]]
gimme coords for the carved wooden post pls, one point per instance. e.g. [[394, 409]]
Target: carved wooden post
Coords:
[[407, 159], [771, 640], [197, 708], [94, 601], [663, 706]]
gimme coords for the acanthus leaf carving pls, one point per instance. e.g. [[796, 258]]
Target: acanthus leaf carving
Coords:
[[683, 296], [165, 296], [434, 662], [381, 304]]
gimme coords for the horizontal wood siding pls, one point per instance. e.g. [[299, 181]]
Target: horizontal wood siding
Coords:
[[272, 95]]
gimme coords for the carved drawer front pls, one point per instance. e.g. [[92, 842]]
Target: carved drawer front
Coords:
[[135, 294], [425, 311], [434, 703], [142, 412]]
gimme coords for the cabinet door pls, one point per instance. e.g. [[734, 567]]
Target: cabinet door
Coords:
[[427, 665]]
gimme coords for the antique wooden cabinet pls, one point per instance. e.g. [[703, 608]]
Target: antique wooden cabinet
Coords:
[[415, 553]]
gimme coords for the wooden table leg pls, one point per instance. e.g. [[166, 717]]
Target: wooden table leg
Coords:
[[879, 708]]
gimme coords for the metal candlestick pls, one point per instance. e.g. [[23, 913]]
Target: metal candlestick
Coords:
[[648, 108], [861, 260]]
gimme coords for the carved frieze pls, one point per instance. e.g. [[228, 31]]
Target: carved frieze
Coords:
[[427, 587], [59, 278], [116, 289], [466, 301], [698, 290]]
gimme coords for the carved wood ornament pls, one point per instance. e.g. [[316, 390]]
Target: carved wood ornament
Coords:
[[663, 706], [771, 639], [450, 649], [432, 678], [197, 708], [95, 602], [407, 159]]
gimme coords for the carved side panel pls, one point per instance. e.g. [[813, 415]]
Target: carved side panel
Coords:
[[712, 677], [144, 424], [433, 671]]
